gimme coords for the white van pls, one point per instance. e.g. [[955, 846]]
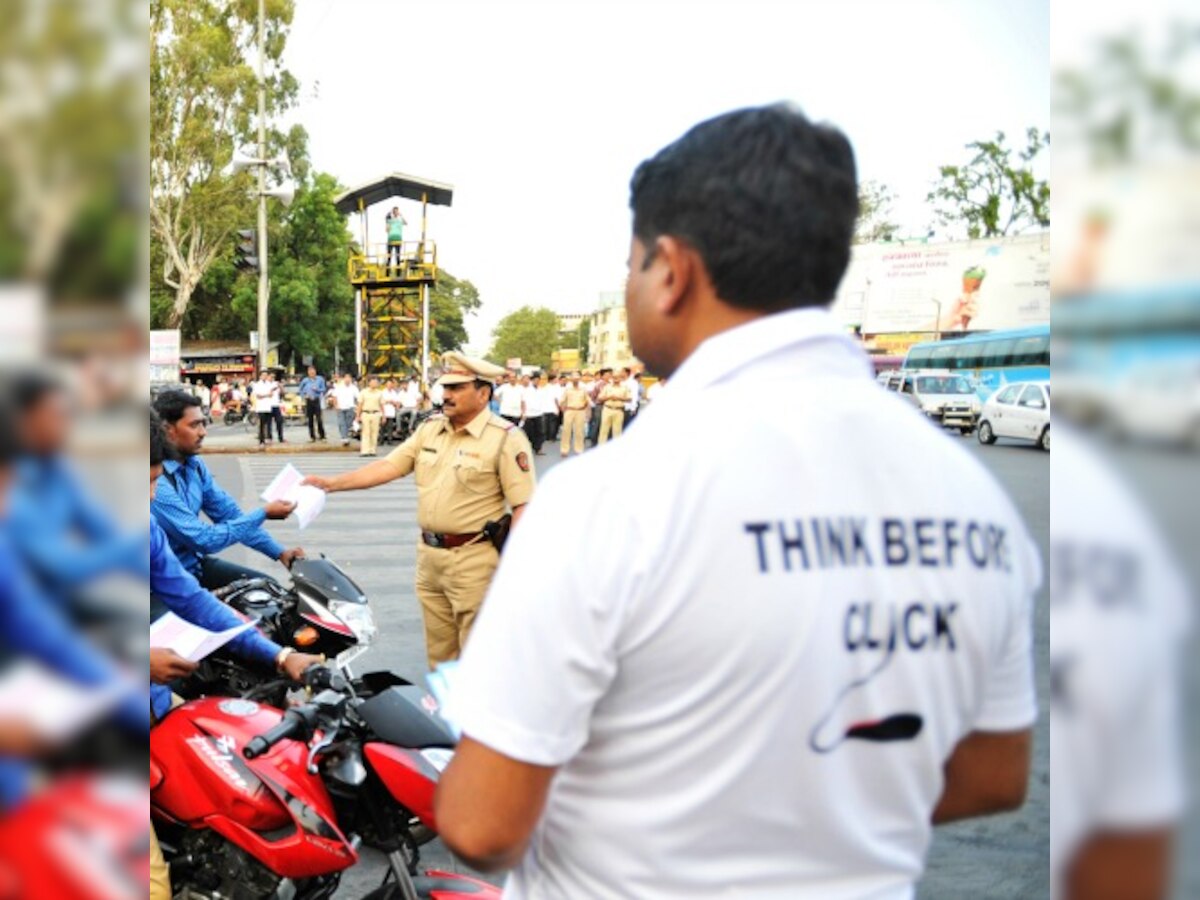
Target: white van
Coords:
[[948, 399]]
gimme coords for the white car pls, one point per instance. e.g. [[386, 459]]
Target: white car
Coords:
[[1020, 410], [946, 398], [1158, 401]]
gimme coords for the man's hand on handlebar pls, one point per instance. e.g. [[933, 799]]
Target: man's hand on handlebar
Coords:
[[296, 663], [287, 557]]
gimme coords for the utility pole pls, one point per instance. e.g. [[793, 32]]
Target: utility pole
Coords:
[[263, 279]]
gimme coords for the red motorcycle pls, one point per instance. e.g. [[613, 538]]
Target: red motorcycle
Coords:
[[252, 802]]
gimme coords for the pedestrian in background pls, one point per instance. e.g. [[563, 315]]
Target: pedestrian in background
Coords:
[[575, 414], [512, 400], [276, 404], [634, 389], [369, 415], [531, 417], [345, 399], [261, 393], [391, 407], [597, 407], [312, 392], [612, 398], [394, 222], [550, 394]]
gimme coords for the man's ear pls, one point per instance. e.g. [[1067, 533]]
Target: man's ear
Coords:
[[676, 264]]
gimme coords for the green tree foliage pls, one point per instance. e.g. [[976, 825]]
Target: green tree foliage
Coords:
[[991, 195], [451, 300], [203, 106], [585, 337], [874, 214], [1132, 97], [530, 334]]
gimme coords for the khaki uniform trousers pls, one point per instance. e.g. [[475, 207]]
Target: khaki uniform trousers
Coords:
[[611, 421], [574, 424], [370, 432], [160, 878], [451, 584]]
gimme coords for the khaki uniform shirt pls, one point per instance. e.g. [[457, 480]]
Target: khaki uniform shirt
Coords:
[[574, 398], [464, 478], [615, 396], [371, 401]]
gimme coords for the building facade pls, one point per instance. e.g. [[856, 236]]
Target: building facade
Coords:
[[608, 342]]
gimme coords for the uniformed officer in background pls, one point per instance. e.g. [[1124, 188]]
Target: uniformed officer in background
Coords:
[[469, 465], [575, 413]]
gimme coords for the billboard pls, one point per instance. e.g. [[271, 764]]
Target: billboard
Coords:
[[959, 286], [164, 355]]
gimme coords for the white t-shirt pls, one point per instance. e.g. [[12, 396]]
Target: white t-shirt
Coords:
[[533, 401], [635, 394], [1118, 627], [653, 391], [391, 401], [345, 395], [263, 393], [551, 395], [510, 397], [712, 670], [436, 393], [410, 397]]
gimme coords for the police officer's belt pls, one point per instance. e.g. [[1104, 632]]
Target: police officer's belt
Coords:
[[615, 404], [449, 541]]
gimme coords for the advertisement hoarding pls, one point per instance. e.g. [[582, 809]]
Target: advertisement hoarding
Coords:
[[960, 286]]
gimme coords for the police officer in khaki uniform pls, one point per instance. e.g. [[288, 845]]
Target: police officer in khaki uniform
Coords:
[[575, 415], [469, 465], [369, 415], [613, 398]]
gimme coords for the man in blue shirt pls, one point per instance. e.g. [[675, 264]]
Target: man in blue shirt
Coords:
[[313, 389], [187, 489], [63, 536], [174, 589]]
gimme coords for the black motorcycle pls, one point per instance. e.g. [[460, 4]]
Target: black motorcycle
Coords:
[[323, 611]]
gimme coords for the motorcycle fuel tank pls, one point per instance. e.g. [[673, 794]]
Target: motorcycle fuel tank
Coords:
[[271, 806]]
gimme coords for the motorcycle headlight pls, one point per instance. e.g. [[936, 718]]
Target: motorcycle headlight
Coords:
[[358, 617]]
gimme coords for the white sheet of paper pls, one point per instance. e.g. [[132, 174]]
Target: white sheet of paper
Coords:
[[191, 641], [54, 706], [441, 683], [309, 500]]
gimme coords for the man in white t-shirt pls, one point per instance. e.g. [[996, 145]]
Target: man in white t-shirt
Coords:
[[410, 403], [512, 400], [345, 398], [551, 403], [766, 665], [532, 416], [262, 395]]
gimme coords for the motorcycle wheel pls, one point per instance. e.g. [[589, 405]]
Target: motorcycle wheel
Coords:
[[230, 418]]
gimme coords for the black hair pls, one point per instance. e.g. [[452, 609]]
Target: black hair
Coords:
[[27, 389], [158, 441], [480, 383], [171, 405], [767, 199]]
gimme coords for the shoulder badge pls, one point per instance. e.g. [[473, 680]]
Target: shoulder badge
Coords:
[[523, 461]]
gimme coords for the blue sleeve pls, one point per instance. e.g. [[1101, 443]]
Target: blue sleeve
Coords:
[[182, 594], [60, 560], [221, 508], [187, 528]]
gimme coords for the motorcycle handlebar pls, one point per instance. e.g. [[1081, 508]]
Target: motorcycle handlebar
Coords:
[[262, 743]]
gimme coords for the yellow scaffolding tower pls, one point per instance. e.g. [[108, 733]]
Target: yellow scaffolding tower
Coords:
[[392, 282]]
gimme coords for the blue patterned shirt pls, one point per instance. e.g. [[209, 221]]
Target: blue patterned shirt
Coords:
[[187, 489], [173, 588], [312, 388]]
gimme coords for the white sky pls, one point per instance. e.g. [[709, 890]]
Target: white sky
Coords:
[[538, 112]]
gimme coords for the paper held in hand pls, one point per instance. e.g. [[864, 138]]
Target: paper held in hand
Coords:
[[308, 499], [190, 641], [441, 684], [55, 707]]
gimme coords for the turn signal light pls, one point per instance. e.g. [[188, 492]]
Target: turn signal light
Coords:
[[306, 636]]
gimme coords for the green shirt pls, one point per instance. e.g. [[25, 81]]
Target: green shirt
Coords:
[[395, 228]]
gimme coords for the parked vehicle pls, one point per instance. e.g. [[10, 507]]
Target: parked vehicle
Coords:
[[243, 414], [990, 359], [251, 802], [1158, 401], [1020, 410], [949, 400]]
